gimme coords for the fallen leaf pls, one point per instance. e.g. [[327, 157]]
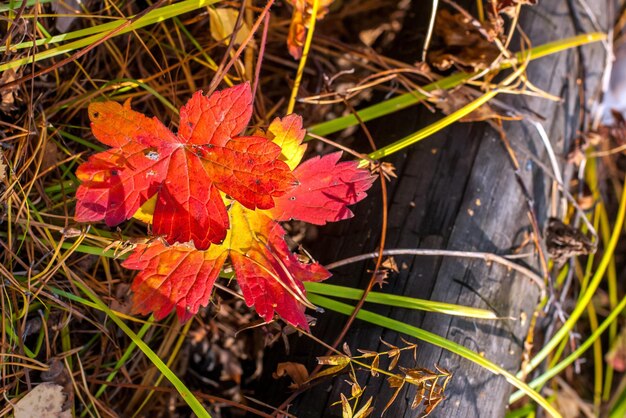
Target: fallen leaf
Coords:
[[44, 401], [300, 22], [296, 371], [3, 167], [7, 96], [222, 24], [464, 44], [186, 171]]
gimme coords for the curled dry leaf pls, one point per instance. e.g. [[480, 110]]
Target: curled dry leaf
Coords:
[[300, 22], [465, 43], [7, 94], [3, 167], [296, 371], [338, 363]]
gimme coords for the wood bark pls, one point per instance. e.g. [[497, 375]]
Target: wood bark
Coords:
[[458, 190]]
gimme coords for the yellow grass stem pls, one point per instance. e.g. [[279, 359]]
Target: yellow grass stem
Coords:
[[305, 54]]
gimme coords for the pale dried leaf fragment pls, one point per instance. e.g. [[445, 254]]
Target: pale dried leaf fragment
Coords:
[[222, 21], [338, 363], [44, 401], [508, 6], [3, 167], [375, 364], [390, 263]]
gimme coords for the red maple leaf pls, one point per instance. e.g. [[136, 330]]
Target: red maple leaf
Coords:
[[325, 190], [186, 171], [269, 275]]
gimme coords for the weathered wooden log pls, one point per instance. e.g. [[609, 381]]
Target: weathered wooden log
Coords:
[[458, 190]]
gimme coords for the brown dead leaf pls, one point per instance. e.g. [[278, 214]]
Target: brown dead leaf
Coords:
[[381, 277], [58, 374], [465, 43], [7, 97], [375, 365], [51, 157], [296, 371], [346, 349], [44, 401], [397, 383], [569, 404], [300, 21]]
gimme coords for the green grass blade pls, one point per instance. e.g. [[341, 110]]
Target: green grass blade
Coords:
[[104, 29], [430, 129], [412, 98], [586, 297], [184, 392], [436, 340], [619, 408], [558, 368], [326, 289], [15, 5]]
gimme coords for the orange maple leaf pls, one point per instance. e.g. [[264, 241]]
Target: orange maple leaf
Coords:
[[186, 171]]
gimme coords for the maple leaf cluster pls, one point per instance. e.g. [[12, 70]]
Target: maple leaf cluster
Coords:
[[212, 194]]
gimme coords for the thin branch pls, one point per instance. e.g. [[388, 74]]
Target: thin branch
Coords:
[[487, 257]]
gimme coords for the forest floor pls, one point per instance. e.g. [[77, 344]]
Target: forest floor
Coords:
[[73, 330]]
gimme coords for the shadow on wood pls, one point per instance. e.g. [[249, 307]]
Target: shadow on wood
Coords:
[[456, 190]]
